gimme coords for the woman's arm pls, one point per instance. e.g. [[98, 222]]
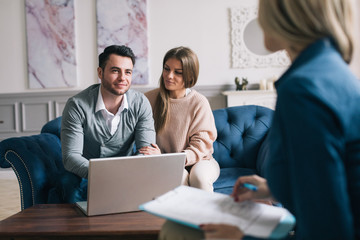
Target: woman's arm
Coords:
[[202, 134]]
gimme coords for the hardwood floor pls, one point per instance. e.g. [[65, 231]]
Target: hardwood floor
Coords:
[[9, 194]]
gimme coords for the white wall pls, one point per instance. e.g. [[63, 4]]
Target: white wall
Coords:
[[203, 25]]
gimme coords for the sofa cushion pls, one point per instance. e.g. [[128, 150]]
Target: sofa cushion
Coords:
[[228, 176]]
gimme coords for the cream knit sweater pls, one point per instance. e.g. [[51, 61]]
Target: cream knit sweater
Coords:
[[191, 127]]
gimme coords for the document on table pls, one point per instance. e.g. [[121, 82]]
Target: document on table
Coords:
[[192, 207]]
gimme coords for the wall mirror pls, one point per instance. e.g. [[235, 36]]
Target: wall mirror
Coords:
[[248, 48], [253, 38]]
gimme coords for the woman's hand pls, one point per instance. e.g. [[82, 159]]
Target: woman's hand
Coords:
[[240, 193], [221, 231], [150, 150]]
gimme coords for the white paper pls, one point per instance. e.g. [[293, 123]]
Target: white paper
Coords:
[[192, 206]]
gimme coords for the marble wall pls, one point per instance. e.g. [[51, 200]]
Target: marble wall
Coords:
[[124, 22], [50, 43]]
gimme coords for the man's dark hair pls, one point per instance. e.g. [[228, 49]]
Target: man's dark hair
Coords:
[[118, 50]]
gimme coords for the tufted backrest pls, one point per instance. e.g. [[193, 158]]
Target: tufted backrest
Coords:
[[241, 130]]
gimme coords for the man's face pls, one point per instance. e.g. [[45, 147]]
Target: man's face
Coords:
[[117, 75]]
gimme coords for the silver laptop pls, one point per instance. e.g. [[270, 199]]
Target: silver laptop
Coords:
[[121, 184]]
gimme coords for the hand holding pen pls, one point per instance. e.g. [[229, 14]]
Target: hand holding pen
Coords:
[[250, 188]]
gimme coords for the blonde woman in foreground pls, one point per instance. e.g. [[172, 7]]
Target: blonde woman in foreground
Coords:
[[313, 162]]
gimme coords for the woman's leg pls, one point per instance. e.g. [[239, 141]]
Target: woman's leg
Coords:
[[174, 231], [185, 178], [203, 174]]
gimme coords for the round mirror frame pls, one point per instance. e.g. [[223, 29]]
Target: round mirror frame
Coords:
[[241, 56]]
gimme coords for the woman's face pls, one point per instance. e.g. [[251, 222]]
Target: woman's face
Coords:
[[173, 78], [272, 43], [272, 40]]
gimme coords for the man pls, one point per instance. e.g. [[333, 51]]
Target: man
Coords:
[[106, 119]]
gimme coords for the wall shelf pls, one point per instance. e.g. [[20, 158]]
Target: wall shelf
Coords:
[[251, 97]]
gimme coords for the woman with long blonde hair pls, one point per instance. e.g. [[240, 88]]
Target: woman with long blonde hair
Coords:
[[183, 119]]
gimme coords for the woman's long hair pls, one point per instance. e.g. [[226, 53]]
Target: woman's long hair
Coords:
[[190, 73]]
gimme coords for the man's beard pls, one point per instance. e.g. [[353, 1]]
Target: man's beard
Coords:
[[109, 88]]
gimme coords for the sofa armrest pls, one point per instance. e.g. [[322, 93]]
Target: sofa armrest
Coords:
[[53, 126], [37, 163]]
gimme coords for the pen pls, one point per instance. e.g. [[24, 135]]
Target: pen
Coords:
[[250, 187]]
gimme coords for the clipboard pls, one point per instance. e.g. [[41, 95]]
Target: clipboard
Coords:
[[191, 207]]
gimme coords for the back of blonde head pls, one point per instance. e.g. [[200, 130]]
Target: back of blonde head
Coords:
[[301, 22]]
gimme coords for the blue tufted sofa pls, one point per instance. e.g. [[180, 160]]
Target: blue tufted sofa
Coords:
[[37, 162]]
